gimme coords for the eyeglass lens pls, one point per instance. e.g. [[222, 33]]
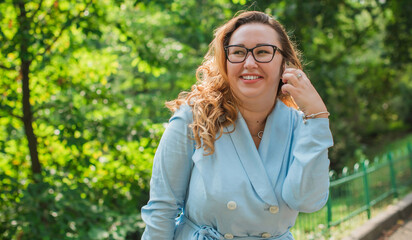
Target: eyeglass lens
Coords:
[[238, 54]]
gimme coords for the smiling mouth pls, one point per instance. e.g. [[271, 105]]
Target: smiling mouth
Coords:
[[250, 77]]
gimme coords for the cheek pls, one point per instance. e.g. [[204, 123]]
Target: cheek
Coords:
[[276, 69], [272, 71], [232, 70]]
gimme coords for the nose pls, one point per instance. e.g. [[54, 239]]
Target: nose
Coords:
[[250, 61]]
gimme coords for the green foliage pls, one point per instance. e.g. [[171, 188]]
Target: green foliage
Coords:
[[60, 207], [100, 72]]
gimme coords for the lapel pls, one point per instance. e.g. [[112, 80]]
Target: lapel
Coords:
[[263, 167], [275, 141]]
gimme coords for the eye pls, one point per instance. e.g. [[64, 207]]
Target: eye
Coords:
[[238, 52], [262, 51]]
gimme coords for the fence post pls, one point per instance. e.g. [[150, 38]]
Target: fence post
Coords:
[[410, 155], [329, 213], [366, 186], [329, 203], [393, 175]]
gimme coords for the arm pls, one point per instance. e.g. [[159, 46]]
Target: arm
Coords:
[[170, 177], [306, 186]]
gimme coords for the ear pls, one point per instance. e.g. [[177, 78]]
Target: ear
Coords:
[[283, 67], [286, 64]]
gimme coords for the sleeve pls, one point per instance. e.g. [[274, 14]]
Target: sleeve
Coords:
[[306, 186], [170, 178]]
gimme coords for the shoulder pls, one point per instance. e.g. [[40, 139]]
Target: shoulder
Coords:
[[178, 128], [294, 114], [184, 113]]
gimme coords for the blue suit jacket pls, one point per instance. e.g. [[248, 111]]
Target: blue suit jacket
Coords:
[[238, 192]]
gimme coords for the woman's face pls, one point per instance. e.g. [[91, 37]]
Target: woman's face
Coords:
[[251, 80]]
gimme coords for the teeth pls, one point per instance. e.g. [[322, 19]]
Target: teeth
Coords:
[[250, 77]]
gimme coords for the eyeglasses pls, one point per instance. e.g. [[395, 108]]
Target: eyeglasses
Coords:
[[263, 53]]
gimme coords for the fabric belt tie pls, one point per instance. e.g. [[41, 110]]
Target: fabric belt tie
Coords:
[[207, 233], [203, 232]]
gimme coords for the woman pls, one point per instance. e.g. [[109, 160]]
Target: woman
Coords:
[[237, 160]]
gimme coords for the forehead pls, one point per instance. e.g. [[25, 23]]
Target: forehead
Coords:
[[252, 34]]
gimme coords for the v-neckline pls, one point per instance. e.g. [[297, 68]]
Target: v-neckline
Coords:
[[265, 128], [252, 162], [267, 160]]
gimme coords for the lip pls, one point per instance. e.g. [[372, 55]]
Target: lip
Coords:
[[246, 81]]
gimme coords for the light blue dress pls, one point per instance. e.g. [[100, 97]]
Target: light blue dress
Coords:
[[238, 192]]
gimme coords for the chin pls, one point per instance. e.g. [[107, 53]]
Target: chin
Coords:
[[250, 94]]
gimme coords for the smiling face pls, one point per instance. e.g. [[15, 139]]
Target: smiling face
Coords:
[[251, 80]]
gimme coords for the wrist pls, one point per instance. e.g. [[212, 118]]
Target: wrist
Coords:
[[313, 109], [321, 114]]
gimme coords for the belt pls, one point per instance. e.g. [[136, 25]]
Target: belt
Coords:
[[205, 232]]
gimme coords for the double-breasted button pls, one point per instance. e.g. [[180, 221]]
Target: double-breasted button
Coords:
[[231, 205], [228, 236], [273, 209], [266, 235]]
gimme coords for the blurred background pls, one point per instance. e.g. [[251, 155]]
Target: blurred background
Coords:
[[83, 85]]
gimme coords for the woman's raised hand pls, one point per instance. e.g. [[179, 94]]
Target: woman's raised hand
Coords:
[[298, 85]]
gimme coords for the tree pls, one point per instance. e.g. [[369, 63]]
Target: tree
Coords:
[[29, 42]]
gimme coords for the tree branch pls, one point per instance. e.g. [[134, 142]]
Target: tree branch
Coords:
[[8, 68], [10, 113], [47, 47], [36, 11]]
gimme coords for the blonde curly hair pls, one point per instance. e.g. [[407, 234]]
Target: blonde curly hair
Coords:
[[213, 103]]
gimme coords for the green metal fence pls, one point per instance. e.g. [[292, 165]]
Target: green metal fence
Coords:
[[353, 195]]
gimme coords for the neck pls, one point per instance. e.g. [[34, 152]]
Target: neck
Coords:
[[256, 114], [255, 117]]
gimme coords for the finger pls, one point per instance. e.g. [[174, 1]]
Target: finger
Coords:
[[288, 89], [298, 72], [290, 78], [299, 75], [290, 69]]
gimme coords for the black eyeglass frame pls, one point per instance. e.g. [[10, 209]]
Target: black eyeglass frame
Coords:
[[275, 48]]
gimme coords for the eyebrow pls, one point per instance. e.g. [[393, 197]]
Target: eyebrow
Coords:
[[259, 44]]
